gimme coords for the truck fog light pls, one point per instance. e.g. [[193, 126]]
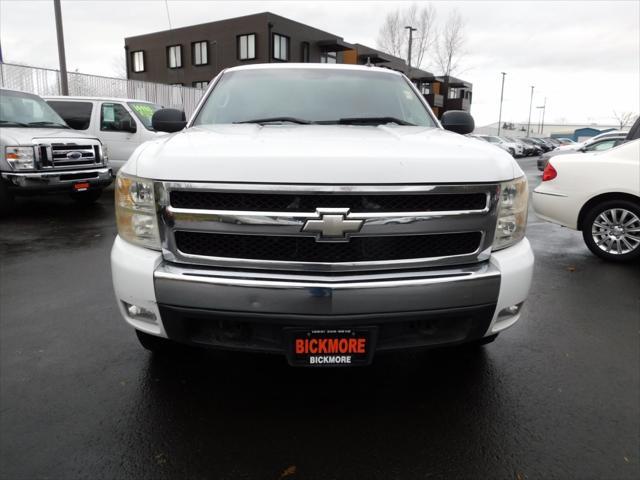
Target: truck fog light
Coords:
[[139, 313], [510, 311]]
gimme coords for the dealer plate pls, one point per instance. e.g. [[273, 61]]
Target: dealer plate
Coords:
[[330, 347]]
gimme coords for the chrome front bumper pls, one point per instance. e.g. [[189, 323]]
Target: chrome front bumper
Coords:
[[57, 179], [387, 293]]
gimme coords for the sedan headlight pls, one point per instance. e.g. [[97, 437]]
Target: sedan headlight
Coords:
[[512, 213], [20, 158], [136, 212]]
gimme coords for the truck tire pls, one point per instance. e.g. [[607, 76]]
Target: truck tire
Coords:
[[88, 197], [6, 199], [153, 343], [611, 230]]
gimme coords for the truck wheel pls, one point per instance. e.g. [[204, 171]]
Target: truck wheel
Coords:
[[153, 343], [88, 197], [611, 230], [6, 199]]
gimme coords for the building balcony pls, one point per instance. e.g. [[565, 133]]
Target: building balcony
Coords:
[[434, 100], [458, 104]]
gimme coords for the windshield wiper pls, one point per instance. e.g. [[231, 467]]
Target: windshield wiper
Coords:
[[20, 124], [370, 120], [49, 123], [262, 121]]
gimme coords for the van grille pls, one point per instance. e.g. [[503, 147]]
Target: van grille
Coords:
[[69, 154]]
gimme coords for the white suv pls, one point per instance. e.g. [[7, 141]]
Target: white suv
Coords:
[[321, 212]]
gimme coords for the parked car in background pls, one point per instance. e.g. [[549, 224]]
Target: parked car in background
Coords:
[[565, 141], [597, 193], [39, 153], [546, 147], [121, 124], [537, 148], [527, 149], [500, 143], [594, 145]]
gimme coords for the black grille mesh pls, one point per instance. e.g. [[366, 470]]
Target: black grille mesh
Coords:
[[306, 249], [284, 202]]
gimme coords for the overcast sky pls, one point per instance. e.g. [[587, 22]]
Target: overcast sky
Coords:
[[583, 56]]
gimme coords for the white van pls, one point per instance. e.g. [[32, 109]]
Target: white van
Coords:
[[121, 124]]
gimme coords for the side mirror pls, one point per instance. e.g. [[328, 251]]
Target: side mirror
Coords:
[[458, 121], [168, 120], [128, 125]]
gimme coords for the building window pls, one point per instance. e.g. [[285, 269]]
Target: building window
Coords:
[[247, 46], [280, 47], [137, 59], [304, 52], [202, 85], [329, 57], [174, 56], [199, 53]]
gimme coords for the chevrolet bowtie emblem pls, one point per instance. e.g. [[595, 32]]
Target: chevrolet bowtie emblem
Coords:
[[332, 225]]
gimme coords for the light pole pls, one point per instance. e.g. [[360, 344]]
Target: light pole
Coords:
[[530, 105], [544, 110], [501, 96], [411, 30], [61, 55]]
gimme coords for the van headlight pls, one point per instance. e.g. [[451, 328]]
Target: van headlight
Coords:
[[512, 213], [136, 213], [20, 158]]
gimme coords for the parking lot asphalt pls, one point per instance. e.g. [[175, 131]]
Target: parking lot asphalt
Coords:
[[556, 396]]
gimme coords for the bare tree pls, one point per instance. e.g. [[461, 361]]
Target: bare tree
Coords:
[[391, 36], [450, 44], [394, 39], [624, 118], [118, 66]]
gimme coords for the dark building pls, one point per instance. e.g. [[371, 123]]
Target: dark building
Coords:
[[192, 56]]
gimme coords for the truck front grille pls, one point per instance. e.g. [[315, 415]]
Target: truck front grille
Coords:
[[306, 249], [292, 227]]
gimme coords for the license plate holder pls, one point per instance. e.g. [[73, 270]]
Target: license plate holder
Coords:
[[330, 347]]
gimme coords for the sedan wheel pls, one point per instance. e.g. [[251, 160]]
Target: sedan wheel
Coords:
[[612, 230]]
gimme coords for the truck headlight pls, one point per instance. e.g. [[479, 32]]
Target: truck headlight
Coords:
[[512, 213], [136, 213], [20, 158]]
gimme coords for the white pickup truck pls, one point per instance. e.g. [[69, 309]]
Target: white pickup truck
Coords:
[[321, 212], [40, 154]]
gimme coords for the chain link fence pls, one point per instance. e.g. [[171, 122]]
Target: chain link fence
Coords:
[[46, 82]]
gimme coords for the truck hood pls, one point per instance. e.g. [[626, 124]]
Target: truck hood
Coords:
[[24, 136], [321, 154]]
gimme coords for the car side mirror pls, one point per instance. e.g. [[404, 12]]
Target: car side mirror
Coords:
[[128, 125], [168, 120], [457, 121]]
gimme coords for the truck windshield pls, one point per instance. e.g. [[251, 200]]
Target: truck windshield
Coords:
[[313, 95], [144, 111], [19, 109]]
